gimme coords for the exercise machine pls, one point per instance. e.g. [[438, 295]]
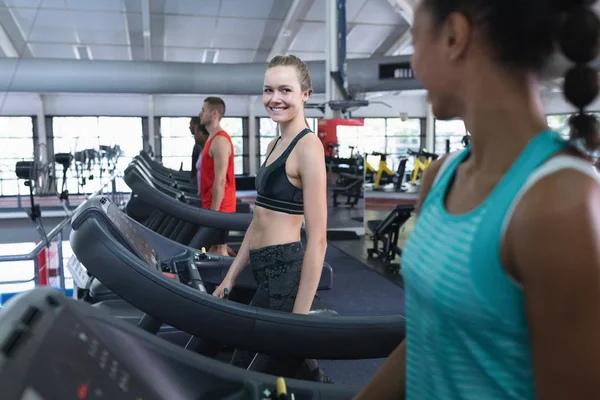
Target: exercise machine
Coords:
[[168, 283], [176, 257], [53, 347], [385, 176], [422, 161], [350, 186], [385, 233]]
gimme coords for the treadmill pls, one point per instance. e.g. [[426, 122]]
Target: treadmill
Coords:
[[184, 210], [52, 347], [165, 254], [168, 282]]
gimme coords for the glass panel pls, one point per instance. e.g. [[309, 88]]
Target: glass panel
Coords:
[[177, 143], [267, 128], [454, 130], [16, 127], [18, 148], [373, 127], [177, 146], [397, 127], [124, 131], [16, 142], [10, 186], [264, 143], [73, 134], [560, 123], [238, 164], [173, 127], [233, 126], [175, 162], [401, 144], [238, 145]]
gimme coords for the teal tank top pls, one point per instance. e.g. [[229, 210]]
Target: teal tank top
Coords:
[[466, 329]]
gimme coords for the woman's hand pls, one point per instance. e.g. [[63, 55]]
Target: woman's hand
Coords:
[[220, 290]]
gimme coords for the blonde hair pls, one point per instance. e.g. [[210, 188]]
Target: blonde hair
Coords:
[[301, 70]]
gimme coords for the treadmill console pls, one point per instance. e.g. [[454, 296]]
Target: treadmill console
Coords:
[[62, 358], [52, 347], [127, 231], [130, 234]]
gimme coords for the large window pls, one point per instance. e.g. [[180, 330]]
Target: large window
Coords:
[[267, 132], [402, 136], [235, 128], [83, 136], [177, 142], [453, 130], [16, 142]]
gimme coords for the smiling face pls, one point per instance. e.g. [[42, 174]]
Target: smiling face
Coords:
[[283, 97]]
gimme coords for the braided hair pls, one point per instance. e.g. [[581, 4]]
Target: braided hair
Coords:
[[578, 38], [536, 27]]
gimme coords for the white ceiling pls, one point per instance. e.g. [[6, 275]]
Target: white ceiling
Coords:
[[189, 30]]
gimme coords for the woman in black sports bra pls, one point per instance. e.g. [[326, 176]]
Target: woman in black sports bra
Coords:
[[286, 273]]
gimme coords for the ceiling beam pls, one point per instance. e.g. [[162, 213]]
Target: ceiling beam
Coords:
[[13, 39], [278, 10], [290, 27], [145, 28], [400, 38], [400, 45], [391, 43], [406, 8]]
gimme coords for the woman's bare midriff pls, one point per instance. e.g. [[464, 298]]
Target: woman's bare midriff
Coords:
[[272, 228]]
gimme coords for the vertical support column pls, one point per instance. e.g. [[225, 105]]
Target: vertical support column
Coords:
[[42, 141], [332, 60], [252, 135], [151, 132], [430, 130], [41, 122]]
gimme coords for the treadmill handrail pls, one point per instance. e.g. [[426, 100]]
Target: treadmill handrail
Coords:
[[187, 187], [241, 326], [49, 305], [185, 212], [190, 197]]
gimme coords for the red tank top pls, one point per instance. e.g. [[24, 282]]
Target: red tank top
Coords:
[[207, 177]]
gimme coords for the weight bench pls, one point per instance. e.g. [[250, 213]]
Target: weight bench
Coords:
[[352, 191], [387, 231]]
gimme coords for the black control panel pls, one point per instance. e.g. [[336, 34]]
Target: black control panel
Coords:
[[130, 233], [74, 363], [69, 350]]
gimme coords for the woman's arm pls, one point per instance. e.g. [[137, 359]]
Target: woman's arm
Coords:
[[389, 383], [553, 244], [312, 171]]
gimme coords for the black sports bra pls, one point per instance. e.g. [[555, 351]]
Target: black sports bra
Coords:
[[274, 191]]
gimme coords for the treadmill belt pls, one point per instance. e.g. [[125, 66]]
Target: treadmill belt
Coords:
[[357, 291]]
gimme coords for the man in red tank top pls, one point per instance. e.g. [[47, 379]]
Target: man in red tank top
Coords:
[[217, 175]]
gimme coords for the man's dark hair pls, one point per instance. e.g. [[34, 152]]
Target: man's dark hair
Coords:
[[528, 42], [195, 121], [216, 104]]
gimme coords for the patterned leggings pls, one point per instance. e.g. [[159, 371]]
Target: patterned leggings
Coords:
[[276, 270]]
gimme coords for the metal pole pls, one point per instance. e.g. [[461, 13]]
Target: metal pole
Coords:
[[36, 273], [61, 269]]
